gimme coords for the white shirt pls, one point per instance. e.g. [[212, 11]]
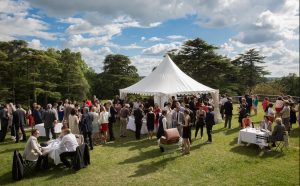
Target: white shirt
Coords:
[[271, 112], [164, 121], [68, 143], [103, 118], [223, 101]]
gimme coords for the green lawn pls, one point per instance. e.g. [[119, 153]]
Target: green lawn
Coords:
[[131, 162]]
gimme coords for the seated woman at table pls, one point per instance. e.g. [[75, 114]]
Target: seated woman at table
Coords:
[[278, 132], [33, 150], [67, 147], [266, 124], [246, 122]]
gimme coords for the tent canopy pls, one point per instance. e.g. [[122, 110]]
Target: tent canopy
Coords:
[[167, 79]]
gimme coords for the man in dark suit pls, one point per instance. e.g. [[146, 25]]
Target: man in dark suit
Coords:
[[111, 121], [228, 107], [37, 116], [249, 103], [138, 120], [4, 122], [19, 120], [86, 126], [210, 122], [50, 119]]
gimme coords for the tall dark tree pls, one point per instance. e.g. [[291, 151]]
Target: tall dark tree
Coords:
[[199, 60], [118, 73], [251, 69]]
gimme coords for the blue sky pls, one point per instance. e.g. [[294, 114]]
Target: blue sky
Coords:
[[146, 30]]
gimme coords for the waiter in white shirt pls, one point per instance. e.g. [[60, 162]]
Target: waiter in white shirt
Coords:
[[67, 147]]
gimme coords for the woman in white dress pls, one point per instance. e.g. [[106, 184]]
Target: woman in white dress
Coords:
[[95, 123], [169, 115], [74, 122], [103, 120]]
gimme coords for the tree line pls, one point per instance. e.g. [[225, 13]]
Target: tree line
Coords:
[[28, 75]]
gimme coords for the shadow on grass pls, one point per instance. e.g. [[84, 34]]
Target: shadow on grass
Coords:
[[134, 144], [253, 151], [198, 146], [143, 156], [6, 179], [51, 174], [231, 131], [295, 132], [11, 150], [152, 167], [219, 130], [234, 141], [7, 142]]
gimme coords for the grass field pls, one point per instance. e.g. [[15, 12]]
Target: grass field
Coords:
[[131, 162]]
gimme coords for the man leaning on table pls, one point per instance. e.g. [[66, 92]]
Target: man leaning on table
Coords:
[[49, 118], [33, 150], [67, 147]]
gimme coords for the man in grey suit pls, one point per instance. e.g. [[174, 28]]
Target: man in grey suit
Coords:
[[49, 118], [177, 118], [19, 120]]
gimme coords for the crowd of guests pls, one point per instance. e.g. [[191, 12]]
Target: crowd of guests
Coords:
[[95, 120]]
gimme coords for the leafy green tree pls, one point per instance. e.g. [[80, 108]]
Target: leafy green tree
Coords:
[[10, 68], [268, 88], [290, 84], [73, 84]]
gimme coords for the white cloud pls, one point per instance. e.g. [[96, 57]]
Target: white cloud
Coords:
[[155, 12], [14, 22], [79, 40], [160, 49], [279, 59], [94, 58], [154, 39], [145, 64], [154, 24], [11, 7], [176, 37], [35, 44], [131, 46], [143, 38]]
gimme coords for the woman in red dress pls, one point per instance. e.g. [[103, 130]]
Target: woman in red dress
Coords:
[[29, 117], [247, 121]]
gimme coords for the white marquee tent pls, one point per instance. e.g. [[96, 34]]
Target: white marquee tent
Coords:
[[168, 80]]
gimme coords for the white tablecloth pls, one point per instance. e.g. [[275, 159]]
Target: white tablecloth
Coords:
[[131, 125], [53, 151], [254, 136], [40, 127]]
